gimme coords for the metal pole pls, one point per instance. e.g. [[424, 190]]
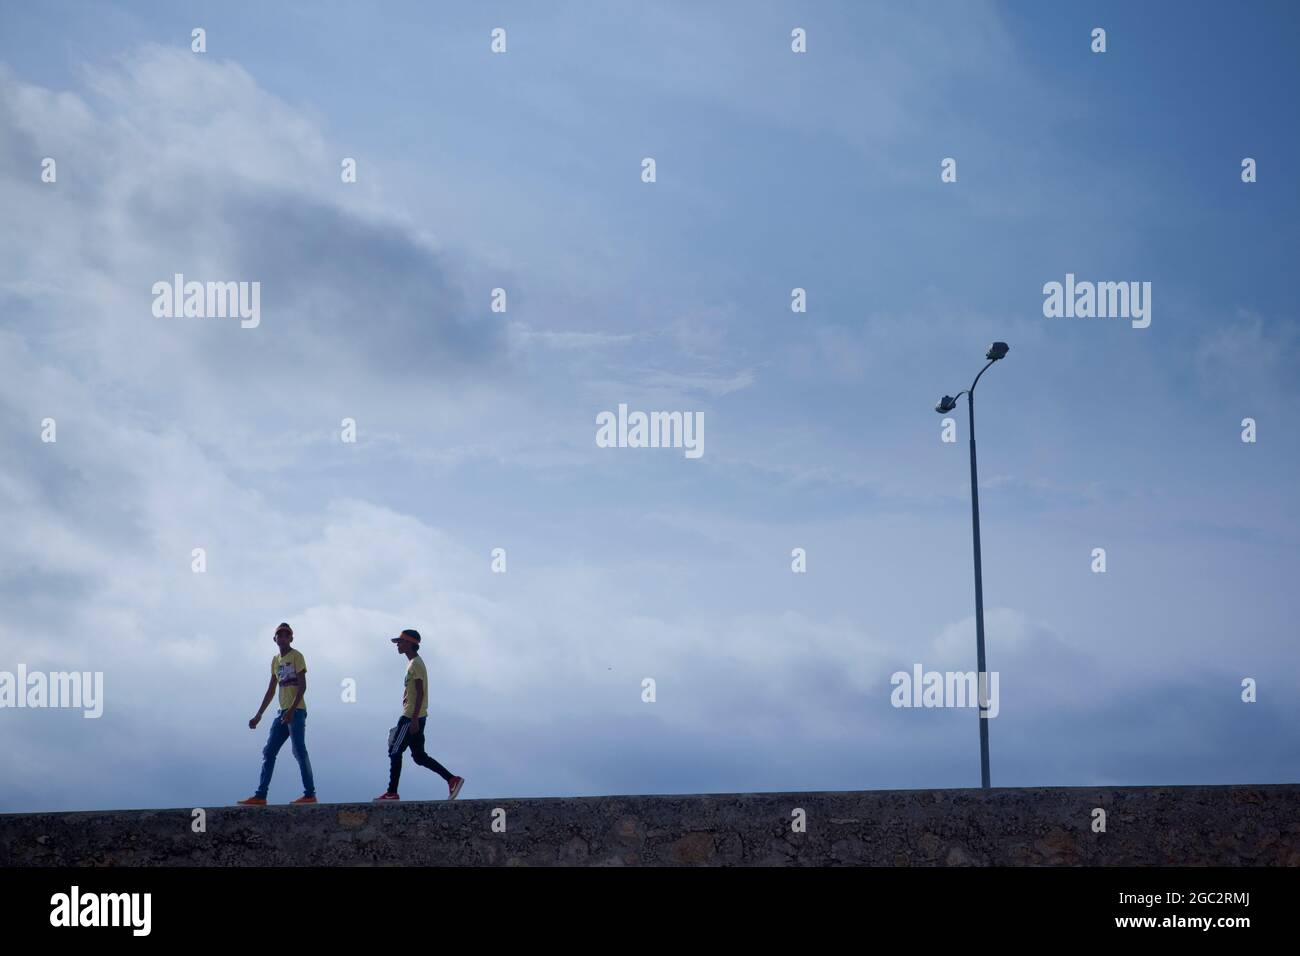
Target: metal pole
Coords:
[[981, 679]]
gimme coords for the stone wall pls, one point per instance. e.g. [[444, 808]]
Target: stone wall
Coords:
[[1225, 825]]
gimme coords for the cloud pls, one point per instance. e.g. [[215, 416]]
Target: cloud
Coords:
[[1252, 358], [182, 164]]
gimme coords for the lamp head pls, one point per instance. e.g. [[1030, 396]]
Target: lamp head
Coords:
[[946, 404], [996, 351]]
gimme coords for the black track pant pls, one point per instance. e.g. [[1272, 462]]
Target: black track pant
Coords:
[[410, 734]]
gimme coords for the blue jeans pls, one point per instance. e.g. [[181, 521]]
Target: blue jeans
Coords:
[[296, 730]]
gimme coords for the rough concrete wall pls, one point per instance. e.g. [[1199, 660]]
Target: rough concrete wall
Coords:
[[1236, 825]]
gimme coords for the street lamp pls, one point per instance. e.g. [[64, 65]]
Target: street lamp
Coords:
[[946, 404]]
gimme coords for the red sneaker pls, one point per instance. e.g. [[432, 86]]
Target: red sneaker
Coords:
[[453, 787], [253, 802], [304, 800], [386, 796]]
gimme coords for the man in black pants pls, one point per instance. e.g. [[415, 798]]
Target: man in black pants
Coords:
[[409, 731]]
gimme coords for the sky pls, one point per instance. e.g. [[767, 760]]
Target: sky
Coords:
[[475, 429]]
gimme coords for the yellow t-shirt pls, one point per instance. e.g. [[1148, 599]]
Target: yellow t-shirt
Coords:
[[415, 671], [286, 670]]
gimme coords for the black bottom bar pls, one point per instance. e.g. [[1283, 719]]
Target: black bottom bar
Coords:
[[932, 904]]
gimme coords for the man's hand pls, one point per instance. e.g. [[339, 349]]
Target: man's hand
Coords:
[[252, 724], [287, 718]]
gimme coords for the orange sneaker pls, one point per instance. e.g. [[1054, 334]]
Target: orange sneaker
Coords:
[[253, 802], [304, 800]]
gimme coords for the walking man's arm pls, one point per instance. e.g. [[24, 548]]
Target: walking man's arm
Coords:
[[270, 692], [419, 699], [302, 689]]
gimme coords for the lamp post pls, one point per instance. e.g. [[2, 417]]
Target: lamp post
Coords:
[[946, 404]]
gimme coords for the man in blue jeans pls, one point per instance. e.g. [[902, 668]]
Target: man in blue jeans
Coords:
[[289, 671]]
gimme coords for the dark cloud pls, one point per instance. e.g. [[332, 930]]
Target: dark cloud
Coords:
[[335, 287]]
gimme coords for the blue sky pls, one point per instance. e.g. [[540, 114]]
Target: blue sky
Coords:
[[476, 429]]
